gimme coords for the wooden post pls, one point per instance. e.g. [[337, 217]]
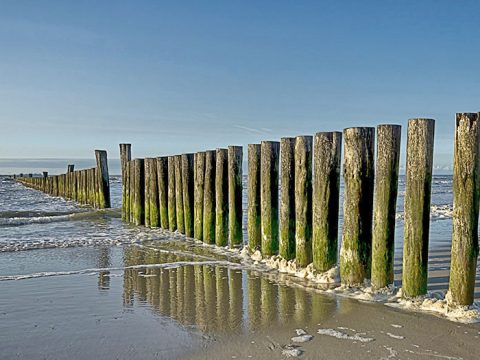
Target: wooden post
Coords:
[[126, 192], [162, 179], [235, 190], [125, 157], [303, 199], [172, 207], [418, 183], [327, 151], [103, 178], [139, 192], [287, 198], [209, 198], [269, 196], [199, 178], [466, 195], [254, 220], [179, 194], [188, 186], [385, 205], [358, 174], [146, 186], [132, 191], [221, 198], [153, 193]]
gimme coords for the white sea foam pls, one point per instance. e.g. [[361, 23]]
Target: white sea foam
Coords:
[[344, 336]]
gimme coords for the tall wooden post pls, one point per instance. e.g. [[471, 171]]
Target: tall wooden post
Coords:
[[172, 202], [199, 178], [146, 186], [235, 190], [132, 191], [287, 198], [254, 220], [139, 192], [188, 186], [103, 178], [327, 151], [385, 205], [162, 179], [125, 156], [466, 196], [269, 196], [153, 193], [126, 192], [221, 198], [358, 174], [179, 194], [303, 199], [209, 198], [418, 185]]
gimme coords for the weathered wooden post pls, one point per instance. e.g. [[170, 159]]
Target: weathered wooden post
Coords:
[[199, 178], [221, 198], [172, 207], [153, 193], [466, 196], [139, 192], [126, 192], [179, 194], [303, 199], [209, 198], [162, 179], [45, 174], [358, 175], [385, 204], [235, 190], [146, 187], [418, 184], [188, 187], [132, 190], [287, 198], [103, 178], [254, 219], [327, 151], [269, 196], [125, 156]]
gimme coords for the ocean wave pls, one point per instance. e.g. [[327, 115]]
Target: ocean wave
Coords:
[[437, 212]]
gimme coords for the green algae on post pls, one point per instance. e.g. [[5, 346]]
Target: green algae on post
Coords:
[[162, 180], [146, 187], [327, 151], [221, 198], [172, 207], [287, 198], [132, 190], [199, 179], [466, 191], [303, 200], [358, 174], [125, 156], [253, 192], [103, 178], [179, 194], [153, 193], [235, 190], [385, 204], [188, 186], [418, 187], [209, 198], [269, 196], [139, 192]]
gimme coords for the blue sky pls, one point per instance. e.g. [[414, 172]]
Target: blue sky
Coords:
[[173, 77]]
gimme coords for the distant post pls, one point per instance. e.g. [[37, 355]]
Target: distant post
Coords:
[[385, 205], [418, 186], [358, 174], [269, 196], [287, 198], [303, 197], [235, 189], [327, 151], [254, 219]]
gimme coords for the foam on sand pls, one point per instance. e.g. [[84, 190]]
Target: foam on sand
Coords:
[[344, 336]]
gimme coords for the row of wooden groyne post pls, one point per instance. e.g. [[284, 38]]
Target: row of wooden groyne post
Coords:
[[293, 200], [87, 186]]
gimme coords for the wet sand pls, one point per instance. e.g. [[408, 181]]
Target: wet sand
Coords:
[[178, 300]]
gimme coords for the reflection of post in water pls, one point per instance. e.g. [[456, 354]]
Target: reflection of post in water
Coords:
[[189, 295], [210, 296], [286, 304], [322, 308], [180, 289], [254, 300], [164, 296], [221, 277], [173, 292], [303, 304], [269, 296], [199, 296], [236, 300], [104, 262]]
